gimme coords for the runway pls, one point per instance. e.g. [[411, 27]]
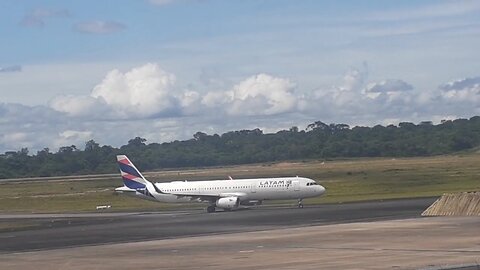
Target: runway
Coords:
[[44, 232], [367, 235]]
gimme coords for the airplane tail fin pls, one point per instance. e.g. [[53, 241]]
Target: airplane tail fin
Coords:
[[132, 177]]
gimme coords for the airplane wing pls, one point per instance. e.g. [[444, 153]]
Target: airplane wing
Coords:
[[207, 197]]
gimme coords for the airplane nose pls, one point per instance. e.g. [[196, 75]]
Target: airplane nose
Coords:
[[320, 189]]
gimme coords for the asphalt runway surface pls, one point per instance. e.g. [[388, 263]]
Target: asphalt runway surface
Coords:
[[60, 231]]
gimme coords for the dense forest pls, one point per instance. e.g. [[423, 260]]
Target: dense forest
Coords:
[[317, 141]]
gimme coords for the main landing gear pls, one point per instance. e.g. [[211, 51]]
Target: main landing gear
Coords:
[[210, 209], [300, 203]]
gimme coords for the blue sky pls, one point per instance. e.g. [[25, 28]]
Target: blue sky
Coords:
[[163, 69]]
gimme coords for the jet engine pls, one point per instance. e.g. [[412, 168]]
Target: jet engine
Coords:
[[228, 202]]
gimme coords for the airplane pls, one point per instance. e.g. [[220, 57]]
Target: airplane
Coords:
[[224, 194]]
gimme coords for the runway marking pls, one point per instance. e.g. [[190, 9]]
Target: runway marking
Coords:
[[391, 249], [247, 251]]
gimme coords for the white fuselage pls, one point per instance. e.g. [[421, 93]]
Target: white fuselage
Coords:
[[224, 194], [258, 189]]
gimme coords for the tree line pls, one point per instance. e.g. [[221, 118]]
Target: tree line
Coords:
[[318, 141]]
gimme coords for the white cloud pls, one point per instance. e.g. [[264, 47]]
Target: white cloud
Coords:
[[190, 102], [26, 126], [355, 101], [149, 92], [353, 80], [78, 105], [462, 96], [38, 16], [141, 92], [14, 68], [345, 96], [15, 138], [261, 94], [389, 86], [99, 27], [460, 84], [160, 2], [471, 95], [388, 89], [216, 98], [37, 84], [144, 101], [72, 137], [438, 9]]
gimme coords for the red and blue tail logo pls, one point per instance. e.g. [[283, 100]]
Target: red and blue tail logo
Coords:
[[132, 178]]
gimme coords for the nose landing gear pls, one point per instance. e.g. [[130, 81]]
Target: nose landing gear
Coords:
[[300, 203]]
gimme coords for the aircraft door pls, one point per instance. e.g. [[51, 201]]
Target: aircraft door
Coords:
[[253, 187], [296, 185]]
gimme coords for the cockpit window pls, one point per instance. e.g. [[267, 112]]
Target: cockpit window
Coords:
[[312, 184]]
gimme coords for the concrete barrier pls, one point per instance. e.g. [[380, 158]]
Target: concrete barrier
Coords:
[[455, 204]]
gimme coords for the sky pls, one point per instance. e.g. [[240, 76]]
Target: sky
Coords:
[[111, 70]]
